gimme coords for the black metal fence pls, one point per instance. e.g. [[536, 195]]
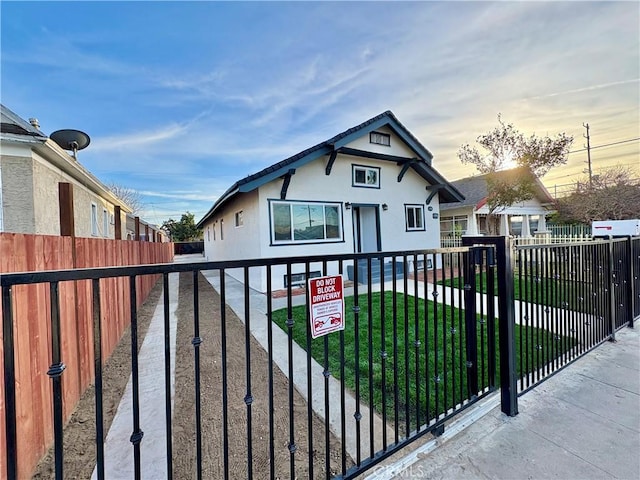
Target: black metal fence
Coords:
[[427, 334], [570, 298]]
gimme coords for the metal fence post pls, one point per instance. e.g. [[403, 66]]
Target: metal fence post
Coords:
[[630, 282], [9, 384], [507, 337], [506, 315], [610, 287]]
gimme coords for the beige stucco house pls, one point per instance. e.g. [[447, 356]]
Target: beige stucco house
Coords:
[[32, 169]]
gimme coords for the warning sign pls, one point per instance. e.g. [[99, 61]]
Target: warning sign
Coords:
[[326, 305]]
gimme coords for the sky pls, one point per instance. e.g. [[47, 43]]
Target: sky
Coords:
[[182, 99]]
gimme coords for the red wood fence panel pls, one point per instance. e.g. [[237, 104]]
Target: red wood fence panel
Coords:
[[32, 326]]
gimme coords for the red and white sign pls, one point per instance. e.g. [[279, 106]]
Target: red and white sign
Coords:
[[326, 302]]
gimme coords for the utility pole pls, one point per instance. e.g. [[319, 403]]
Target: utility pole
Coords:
[[588, 147]]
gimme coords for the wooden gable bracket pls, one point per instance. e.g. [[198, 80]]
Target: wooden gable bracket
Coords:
[[285, 183], [434, 192], [332, 160], [405, 167]]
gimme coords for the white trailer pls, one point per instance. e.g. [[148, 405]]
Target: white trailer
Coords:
[[614, 228]]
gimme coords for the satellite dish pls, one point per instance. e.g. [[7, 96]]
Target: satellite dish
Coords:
[[73, 140]]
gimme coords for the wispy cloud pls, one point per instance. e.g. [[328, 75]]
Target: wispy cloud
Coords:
[[138, 139], [183, 195], [586, 89]]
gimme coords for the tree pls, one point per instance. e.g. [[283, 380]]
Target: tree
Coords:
[[128, 195], [184, 230], [504, 146], [612, 195]]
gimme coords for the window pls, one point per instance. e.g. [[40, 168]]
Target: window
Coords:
[[208, 234], [239, 219], [300, 279], [368, 177], [453, 227], [214, 230], [221, 229], [297, 222], [414, 215], [380, 138], [105, 222], [94, 219]]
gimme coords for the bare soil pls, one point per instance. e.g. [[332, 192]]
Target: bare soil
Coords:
[[79, 434], [212, 405]]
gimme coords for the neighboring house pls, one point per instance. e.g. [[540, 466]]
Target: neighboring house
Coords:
[[469, 217], [368, 189], [44, 190]]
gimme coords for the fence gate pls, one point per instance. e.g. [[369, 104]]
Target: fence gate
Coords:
[[255, 394]]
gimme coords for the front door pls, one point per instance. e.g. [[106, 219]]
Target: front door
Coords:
[[366, 229]]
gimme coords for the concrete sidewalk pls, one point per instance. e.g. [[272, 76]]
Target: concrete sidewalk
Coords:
[[118, 448], [582, 423]]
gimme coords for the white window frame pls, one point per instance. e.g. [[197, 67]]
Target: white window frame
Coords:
[[457, 222], [292, 241], [415, 212], [94, 219], [238, 218], [367, 175]]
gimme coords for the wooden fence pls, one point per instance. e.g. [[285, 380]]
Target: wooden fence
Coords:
[[32, 326]]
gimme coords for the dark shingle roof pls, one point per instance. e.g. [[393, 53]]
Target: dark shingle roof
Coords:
[[423, 168], [13, 124], [474, 189]]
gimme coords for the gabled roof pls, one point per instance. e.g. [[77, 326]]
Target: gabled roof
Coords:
[[475, 191], [277, 170]]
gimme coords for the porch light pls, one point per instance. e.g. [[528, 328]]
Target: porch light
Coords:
[[385, 206]]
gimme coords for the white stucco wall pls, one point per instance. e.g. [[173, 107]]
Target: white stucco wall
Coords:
[[310, 183]]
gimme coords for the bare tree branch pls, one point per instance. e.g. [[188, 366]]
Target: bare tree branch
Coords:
[[128, 195]]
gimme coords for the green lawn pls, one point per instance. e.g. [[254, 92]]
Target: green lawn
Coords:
[[437, 383], [541, 290]]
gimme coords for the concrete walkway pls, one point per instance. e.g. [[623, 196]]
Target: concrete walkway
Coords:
[[153, 448], [582, 423], [235, 296]]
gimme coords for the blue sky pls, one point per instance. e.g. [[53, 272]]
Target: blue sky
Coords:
[[181, 99]]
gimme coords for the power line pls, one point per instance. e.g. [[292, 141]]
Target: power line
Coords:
[[606, 145]]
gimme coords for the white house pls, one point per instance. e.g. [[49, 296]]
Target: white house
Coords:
[[370, 188], [469, 216]]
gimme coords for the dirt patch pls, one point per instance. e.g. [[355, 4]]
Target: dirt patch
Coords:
[[79, 433], [212, 404]]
